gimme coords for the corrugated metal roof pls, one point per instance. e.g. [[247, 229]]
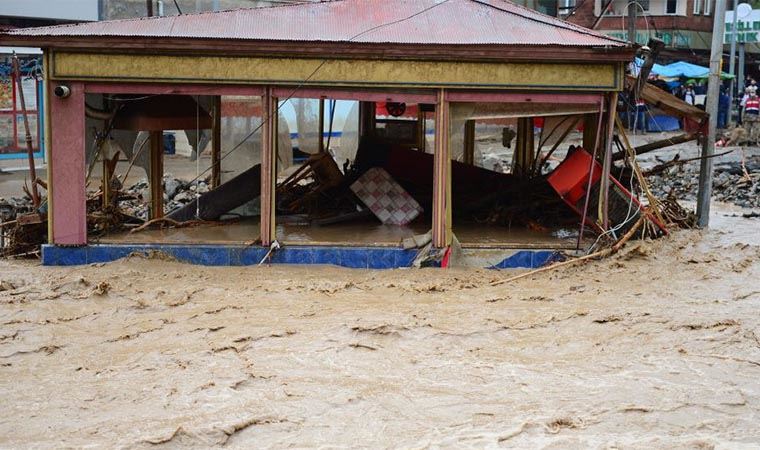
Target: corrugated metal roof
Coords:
[[439, 22]]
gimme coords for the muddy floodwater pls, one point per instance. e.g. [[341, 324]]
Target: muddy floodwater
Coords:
[[658, 347]]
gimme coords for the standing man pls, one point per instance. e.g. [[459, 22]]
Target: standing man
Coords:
[[752, 116], [724, 106]]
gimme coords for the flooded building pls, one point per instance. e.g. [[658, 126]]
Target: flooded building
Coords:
[[401, 181]]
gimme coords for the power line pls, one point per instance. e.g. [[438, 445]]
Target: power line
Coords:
[[311, 75]]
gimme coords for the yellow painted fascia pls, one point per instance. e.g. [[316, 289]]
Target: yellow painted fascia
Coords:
[[336, 72]]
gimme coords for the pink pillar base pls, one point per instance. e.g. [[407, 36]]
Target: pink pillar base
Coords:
[[67, 167]]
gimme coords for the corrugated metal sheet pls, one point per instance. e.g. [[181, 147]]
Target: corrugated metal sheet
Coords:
[[440, 22]]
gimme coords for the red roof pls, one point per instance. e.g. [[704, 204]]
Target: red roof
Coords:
[[435, 22]]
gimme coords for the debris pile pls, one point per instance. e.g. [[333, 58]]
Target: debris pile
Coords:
[[133, 201], [733, 182]]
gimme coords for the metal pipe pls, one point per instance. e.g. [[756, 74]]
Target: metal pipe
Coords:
[[732, 62], [28, 134], [99, 114], [740, 75]]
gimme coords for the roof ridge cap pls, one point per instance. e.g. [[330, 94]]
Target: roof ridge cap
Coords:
[[553, 21]]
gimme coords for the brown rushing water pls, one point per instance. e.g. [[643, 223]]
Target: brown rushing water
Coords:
[[656, 347]]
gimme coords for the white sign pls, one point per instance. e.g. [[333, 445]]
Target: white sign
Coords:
[[747, 26]]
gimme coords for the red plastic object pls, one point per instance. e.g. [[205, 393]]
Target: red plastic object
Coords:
[[570, 180], [571, 177]]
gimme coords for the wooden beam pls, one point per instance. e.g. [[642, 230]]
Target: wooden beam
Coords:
[[216, 143], [364, 95], [421, 129], [589, 131], [652, 146], [507, 97], [523, 158], [367, 119], [469, 142], [268, 167], [156, 174], [442, 233], [171, 89], [607, 161]]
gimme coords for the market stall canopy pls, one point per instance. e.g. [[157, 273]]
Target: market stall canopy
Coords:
[[682, 69]]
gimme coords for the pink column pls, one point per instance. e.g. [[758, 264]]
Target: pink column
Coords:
[[66, 166]]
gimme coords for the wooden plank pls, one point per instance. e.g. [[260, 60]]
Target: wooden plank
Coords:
[[156, 174], [526, 97], [667, 102], [173, 89], [469, 142], [216, 144], [607, 165], [364, 95]]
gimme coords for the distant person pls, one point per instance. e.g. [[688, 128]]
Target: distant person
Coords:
[[724, 106], [752, 116], [638, 116], [689, 96]]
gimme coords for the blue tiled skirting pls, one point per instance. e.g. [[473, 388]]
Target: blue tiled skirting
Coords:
[[238, 255]]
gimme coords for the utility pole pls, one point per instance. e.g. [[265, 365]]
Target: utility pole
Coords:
[[632, 22], [149, 6], [713, 90], [740, 75], [732, 62]]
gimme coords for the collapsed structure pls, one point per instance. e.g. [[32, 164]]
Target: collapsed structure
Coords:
[[458, 64]]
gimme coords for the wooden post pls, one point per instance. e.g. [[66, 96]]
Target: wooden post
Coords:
[[469, 142], [421, 129], [216, 144], [442, 233], [321, 126], [156, 174], [268, 167], [366, 119], [604, 187], [523, 158], [589, 131]]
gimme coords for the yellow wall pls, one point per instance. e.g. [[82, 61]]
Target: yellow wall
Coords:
[[336, 72]]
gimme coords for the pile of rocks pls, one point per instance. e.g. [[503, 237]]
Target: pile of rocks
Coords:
[[730, 183], [13, 206], [177, 193]]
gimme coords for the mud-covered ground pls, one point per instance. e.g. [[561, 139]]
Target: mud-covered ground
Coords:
[[656, 347]]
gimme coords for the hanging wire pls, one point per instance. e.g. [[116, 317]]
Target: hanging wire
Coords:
[[197, 156], [311, 75]]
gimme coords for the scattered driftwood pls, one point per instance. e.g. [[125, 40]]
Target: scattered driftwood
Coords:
[[596, 255], [652, 146], [677, 161]]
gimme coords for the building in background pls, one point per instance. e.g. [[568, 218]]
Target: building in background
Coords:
[[36, 13], [24, 14], [684, 25]]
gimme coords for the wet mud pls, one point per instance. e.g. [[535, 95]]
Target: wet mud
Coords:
[[658, 347]]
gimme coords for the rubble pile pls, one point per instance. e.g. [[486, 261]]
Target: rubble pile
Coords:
[[177, 193], [730, 183], [13, 206]]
